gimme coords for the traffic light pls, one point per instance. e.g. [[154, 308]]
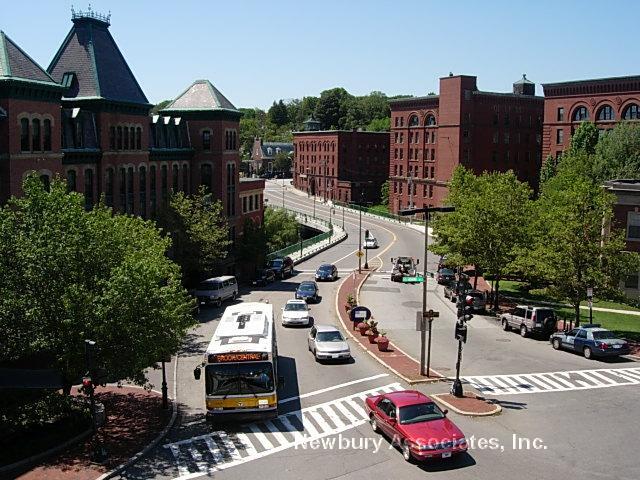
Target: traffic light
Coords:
[[465, 308], [461, 331], [87, 385], [366, 234]]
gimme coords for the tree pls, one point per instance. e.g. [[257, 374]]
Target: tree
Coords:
[[68, 275], [585, 138], [489, 224], [618, 153], [548, 169], [252, 247], [379, 125], [278, 114], [569, 250], [281, 228], [199, 232], [160, 106], [282, 162], [384, 194], [331, 109]]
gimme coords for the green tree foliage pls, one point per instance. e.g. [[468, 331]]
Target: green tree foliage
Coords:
[[278, 114], [384, 194], [585, 138], [199, 231], [282, 162], [618, 153], [379, 125], [490, 222], [331, 109], [68, 275], [568, 248], [281, 228], [160, 106], [252, 246], [548, 169]]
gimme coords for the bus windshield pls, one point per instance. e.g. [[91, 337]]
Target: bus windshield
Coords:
[[239, 378]]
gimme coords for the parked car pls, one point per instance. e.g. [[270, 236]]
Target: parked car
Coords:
[[283, 267], [308, 291], [417, 423], [216, 290], [445, 275], [327, 343], [591, 340], [479, 301], [295, 312], [264, 276], [452, 290], [530, 320], [327, 271]]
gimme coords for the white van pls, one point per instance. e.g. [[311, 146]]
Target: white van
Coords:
[[216, 290]]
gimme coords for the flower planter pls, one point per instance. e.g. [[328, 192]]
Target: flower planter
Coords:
[[383, 344], [362, 327], [347, 308], [372, 337]]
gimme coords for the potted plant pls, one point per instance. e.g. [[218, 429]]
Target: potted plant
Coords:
[[383, 342], [372, 332], [362, 328], [351, 302]]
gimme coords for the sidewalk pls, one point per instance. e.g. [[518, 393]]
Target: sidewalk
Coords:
[[394, 359], [134, 418]]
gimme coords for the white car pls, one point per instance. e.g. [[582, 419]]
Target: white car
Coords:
[[326, 342], [296, 312], [370, 242]]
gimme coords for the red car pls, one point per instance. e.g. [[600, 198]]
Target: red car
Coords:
[[416, 424]]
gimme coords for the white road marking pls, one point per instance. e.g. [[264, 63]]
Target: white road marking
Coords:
[[218, 442], [333, 387], [555, 381]]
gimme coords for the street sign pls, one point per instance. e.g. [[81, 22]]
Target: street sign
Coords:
[[416, 279], [431, 314], [359, 313], [589, 292], [359, 253]]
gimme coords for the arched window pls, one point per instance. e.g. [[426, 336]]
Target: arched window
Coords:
[[123, 188], [79, 140], [605, 113], [47, 135], [430, 121], [71, 180], [130, 190], [152, 189], [413, 121], [132, 138], [206, 176], [88, 189], [580, 114], [125, 135], [112, 138], [185, 178], [175, 177], [46, 181], [632, 112], [139, 138], [119, 138], [35, 135], [164, 183], [108, 194], [24, 135]]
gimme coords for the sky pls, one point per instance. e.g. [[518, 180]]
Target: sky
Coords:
[[256, 52]]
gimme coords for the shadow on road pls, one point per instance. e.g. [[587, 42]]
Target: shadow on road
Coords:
[[463, 460], [507, 404]]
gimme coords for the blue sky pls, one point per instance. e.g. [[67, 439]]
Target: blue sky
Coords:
[[259, 51]]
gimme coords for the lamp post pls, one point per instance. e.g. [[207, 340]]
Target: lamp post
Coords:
[[424, 369], [360, 242], [165, 390]]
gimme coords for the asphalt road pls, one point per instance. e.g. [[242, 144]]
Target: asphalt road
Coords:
[[580, 424]]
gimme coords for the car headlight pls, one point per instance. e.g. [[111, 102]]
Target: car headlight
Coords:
[[427, 447]]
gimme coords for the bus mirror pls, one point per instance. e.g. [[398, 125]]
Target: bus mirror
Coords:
[[280, 382], [196, 373]]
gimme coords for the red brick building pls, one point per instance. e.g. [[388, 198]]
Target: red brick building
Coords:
[[348, 166], [484, 131], [605, 101]]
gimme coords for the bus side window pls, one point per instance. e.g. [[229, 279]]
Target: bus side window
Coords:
[[225, 283]]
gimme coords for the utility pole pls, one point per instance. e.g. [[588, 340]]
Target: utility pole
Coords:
[[424, 369], [360, 242]]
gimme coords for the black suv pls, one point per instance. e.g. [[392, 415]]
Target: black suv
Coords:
[[282, 267]]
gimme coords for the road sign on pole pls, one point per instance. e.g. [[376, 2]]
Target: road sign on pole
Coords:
[[359, 254]]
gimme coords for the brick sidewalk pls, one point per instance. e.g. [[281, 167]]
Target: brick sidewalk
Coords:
[[394, 359], [134, 418]]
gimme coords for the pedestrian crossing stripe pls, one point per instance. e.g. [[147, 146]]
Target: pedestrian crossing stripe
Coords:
[[554, 381], [206, 454]]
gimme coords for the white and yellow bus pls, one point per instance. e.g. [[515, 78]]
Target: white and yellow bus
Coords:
[[241, 365]]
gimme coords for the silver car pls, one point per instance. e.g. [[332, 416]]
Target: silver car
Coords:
[[326, 342], [296, 312]]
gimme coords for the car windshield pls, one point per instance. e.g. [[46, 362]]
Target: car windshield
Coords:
[[329, 337], [307, 287], [208, 286], [421, 412], [604, 335], [446, 271], [239, 378], [295, 307], [275, 263], [325, 269]]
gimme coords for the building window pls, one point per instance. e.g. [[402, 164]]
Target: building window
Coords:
[[185, 179], [633, 226], [401, 138], [206, 140], [46, 136], [130, 191], [430, 191], [46, 182], [132, 138], [495, 119], [71, 181], [119, 138], [108, 194], [495, 137], [430, 121], [413, 121], [139, 138], [560, 114], [88, 189], [506, 138], [251, 203], [125, 135], [123, 188], [433, 154], [175, 177], [112, 138], [231, 190], [560, 137], [24, 135], [506, 119], [465, 136], [152, 190], [632, 112], [402, 121], [142, 189], [605, 113], [35, 135], [580, 114], [396, 121], [244, 204], [206, 176], [164, 183]]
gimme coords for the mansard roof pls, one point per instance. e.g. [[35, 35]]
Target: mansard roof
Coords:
[[201, 96], [15, 64], [91, 65]]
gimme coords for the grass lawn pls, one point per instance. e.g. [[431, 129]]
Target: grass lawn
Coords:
[[379, 208]]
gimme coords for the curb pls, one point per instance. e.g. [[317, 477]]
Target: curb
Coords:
[[156, 440], [496, 411]]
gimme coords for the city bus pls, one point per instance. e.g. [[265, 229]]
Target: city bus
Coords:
[[241, 365]]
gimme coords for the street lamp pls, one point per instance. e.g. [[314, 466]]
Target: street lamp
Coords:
[[426, 211]]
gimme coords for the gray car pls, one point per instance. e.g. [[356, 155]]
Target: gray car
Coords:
[[326, 342]]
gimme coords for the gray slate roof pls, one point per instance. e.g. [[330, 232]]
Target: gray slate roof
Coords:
[[201, 95], [283, 146], [92, 54], [16, 64]]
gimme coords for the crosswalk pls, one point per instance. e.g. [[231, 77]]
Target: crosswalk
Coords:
[[555, 381], [219, 450]]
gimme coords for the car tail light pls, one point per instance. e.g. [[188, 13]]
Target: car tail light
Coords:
[[603, 345]]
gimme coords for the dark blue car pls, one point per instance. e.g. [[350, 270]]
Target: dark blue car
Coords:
[[591, 341], [307, 291], [327, 272]]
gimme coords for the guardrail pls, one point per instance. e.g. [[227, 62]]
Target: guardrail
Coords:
[[379, 213]]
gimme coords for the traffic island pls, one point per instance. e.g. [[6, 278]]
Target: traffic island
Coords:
[[134, 418], [396, 360], [470, 404]]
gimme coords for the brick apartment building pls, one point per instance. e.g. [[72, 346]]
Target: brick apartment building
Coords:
[[484, 131], [605, 101], [343, 165], [87, 120], [263, 154]]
